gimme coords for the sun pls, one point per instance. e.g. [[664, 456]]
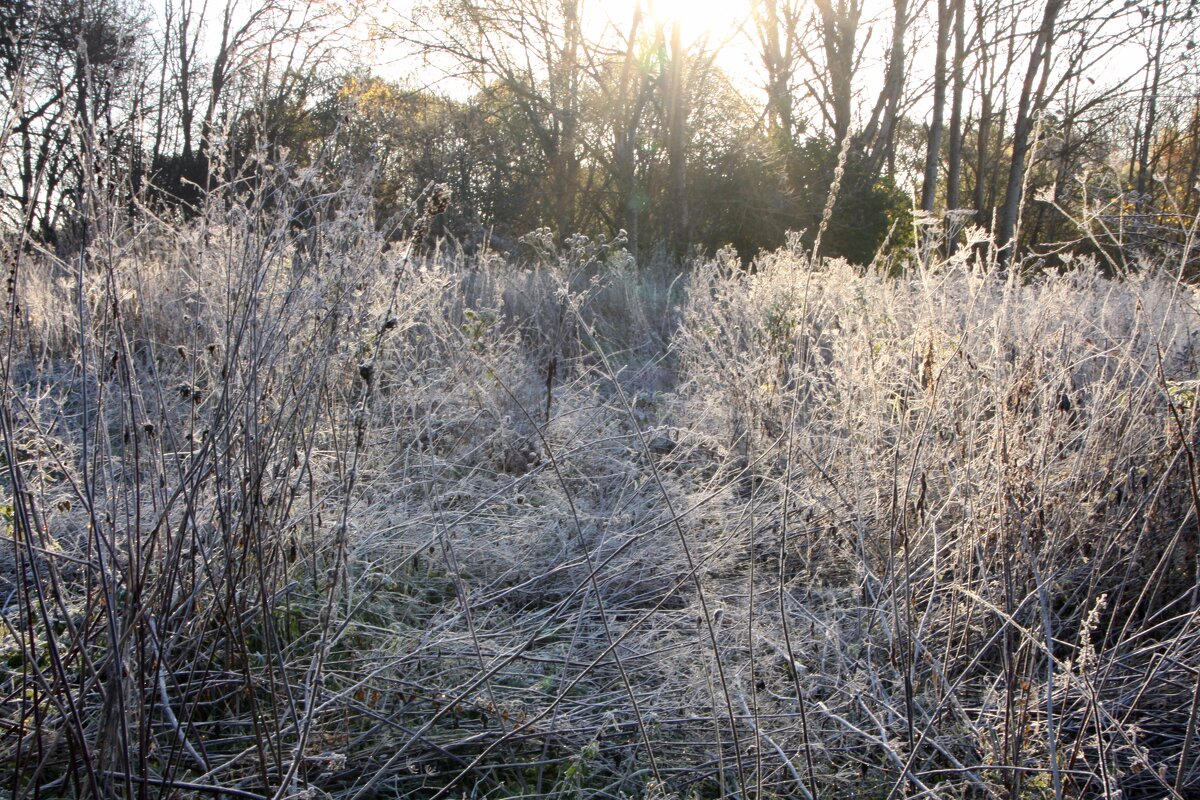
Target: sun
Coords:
[[699, 18]]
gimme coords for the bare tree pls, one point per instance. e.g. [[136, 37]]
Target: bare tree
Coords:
[[958, 72], [69, 75], [1158, 16], [675, 117], [838, 28], [879, 136], [625, 93], [777, 27], [1037, 74], [934, 140], [532, 50]]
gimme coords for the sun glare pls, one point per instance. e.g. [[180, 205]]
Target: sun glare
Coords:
[[697, 18]]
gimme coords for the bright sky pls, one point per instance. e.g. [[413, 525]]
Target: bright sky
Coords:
[[715, 20]]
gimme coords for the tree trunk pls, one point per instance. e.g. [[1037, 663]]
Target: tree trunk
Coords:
[[777, 37], [986, 71], [954, 168], [883, 140], [187, 103], [839, 29], [1027, 106], [1146, 133], [566, 170], [676, 144], [934, 142], [628, 111]]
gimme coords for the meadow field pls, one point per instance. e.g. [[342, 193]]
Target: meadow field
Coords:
[[304, 512]]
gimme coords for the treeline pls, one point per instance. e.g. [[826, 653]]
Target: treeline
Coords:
[[1048, 123]]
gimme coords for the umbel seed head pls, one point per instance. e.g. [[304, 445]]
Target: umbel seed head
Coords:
[[439, 200]]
